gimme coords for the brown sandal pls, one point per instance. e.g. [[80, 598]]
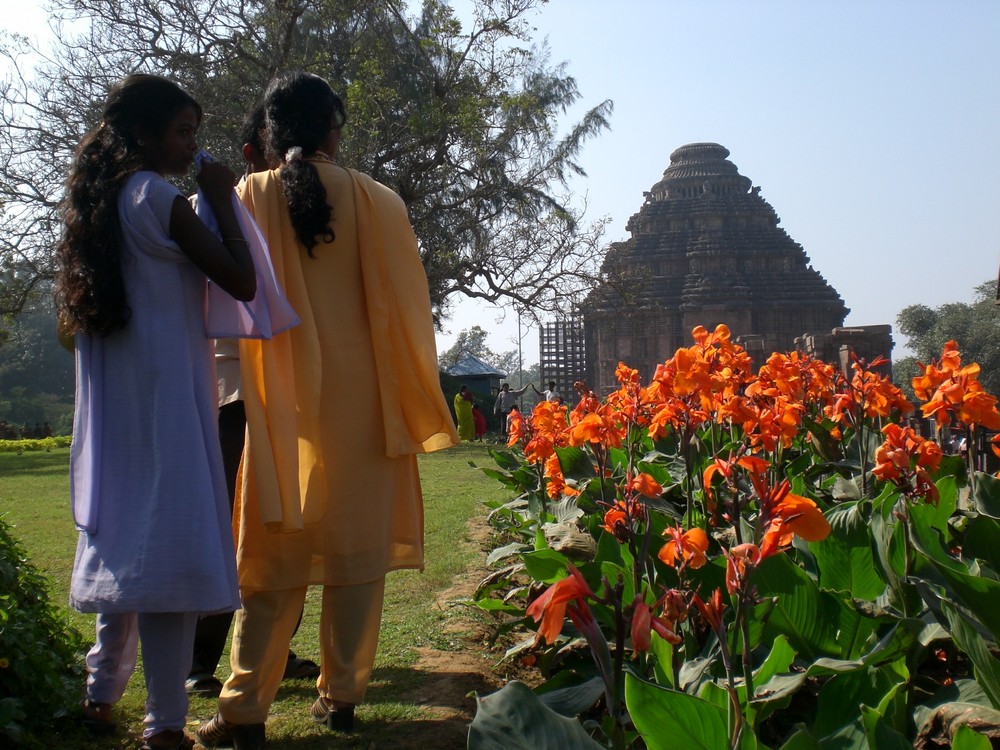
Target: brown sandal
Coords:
[[338, 717], [97, 717], [168, 739]]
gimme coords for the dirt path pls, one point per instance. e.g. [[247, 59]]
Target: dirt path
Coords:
[[452, 676]]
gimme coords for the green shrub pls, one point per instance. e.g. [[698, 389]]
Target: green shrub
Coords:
[[35, 444], [40, 666]]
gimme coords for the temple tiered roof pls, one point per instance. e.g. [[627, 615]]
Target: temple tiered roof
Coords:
[[705, 248]]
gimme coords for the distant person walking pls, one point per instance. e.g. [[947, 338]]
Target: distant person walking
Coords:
[[479, 421], [463, 413], [507, 400]]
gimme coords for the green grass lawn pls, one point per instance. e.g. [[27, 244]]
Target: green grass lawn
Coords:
[[34, 498]]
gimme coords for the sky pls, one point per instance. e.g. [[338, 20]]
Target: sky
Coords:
[[871, 127]]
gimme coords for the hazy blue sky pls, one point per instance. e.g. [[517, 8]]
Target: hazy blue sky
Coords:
[[871, 127]]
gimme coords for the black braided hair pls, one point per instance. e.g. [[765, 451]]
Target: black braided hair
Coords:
[[90, 288]]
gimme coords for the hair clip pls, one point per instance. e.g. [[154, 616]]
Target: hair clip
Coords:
[[293, 154]]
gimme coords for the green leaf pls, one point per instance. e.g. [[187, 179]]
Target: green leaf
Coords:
[[573, 700], [575, 463], [514, 718], [880, 735], [801, 740], [841, 698], [986, 667], [816, 623], [982, 541], [936, 516], [967, 739], [546, 565], [986, 495], [844, 559], [668, 719], [980, 595]]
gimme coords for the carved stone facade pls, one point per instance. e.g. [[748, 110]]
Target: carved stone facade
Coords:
[[705, 249]]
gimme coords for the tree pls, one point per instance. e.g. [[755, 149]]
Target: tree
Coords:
[[36, 373], [462, 123], [974, 326], [468, 341]]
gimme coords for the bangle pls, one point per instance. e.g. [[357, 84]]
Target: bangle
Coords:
[[235, 239]]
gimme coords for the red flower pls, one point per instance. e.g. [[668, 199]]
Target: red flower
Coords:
[[688, 547], [550, 607]]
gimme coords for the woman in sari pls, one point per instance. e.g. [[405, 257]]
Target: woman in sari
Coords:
[[463, 413]]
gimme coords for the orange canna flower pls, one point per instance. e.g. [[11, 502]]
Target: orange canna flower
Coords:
[[644, 622], [797, 515], [906, 459], [801, 516], [712, 609], [740, 561], [618, 521], [517, 428], [644, 484], [686, 547], [538, 449], [550, 608], [557, 482], [595, 427]]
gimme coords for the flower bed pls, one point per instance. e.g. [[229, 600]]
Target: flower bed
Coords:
[[724, 558]]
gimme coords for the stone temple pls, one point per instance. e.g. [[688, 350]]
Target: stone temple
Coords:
[[706, 248]]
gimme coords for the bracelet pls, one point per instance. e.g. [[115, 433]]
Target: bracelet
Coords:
[[235, 239]]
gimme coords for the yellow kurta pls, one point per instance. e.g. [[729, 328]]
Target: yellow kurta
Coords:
[[338, 406], [463, 415]]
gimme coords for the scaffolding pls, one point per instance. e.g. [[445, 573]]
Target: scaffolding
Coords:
[[562, 356]]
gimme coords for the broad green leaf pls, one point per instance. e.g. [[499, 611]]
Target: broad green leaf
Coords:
[[545, 565], [514, 718], [841, 698], [507, 550], [816, 623], [778, 660], [881, 736], [986, 495], [980, 595], [663, 653], [986, 667], [668, 719], [888, 538], [573, 700], [575, 463], [982, 541], [937, 515], [848, 737], [968, 739], [844, 558], [801, 740]]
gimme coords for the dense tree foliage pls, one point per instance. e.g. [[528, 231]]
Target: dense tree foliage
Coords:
[[36, 373], [975, 326], [463, 120]]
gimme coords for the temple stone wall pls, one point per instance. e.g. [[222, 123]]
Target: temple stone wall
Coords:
[[706, 248]]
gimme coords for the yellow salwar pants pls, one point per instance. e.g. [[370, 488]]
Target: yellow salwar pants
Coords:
[[348, 638]]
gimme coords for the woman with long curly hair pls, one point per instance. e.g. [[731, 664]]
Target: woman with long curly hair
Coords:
[[155, 547], [337, 410]]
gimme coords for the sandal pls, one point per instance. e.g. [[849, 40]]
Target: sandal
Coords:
[[97, 717], [296, 668], [207, 685], [338, 717], [217, 731], [168, 739]]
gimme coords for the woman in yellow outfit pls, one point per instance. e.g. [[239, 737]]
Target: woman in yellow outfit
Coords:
[[463, 414], [337, 409]]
